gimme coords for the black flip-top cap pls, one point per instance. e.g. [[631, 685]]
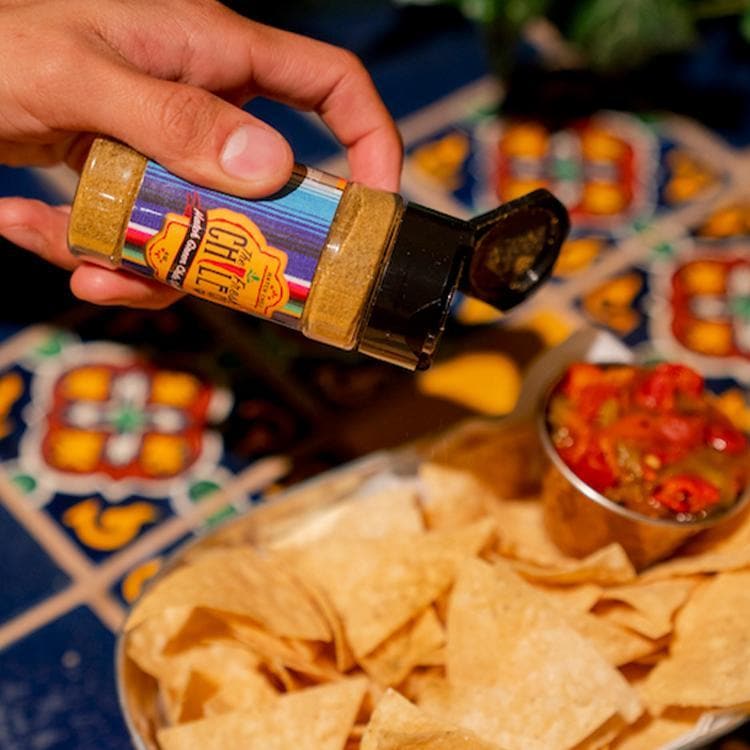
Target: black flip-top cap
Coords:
[[515, 249], [500, 257], [413, 296]]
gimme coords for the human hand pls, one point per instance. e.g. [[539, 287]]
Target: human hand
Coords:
[[168, 78]]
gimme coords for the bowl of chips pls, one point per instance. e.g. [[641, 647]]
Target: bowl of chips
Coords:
[[417, 607], [640, 455]]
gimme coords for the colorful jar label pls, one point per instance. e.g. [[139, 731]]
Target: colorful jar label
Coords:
[[258, 256]]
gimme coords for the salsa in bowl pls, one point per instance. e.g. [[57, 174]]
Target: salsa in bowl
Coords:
[[645, 444]]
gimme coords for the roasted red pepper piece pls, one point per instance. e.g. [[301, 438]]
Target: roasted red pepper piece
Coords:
[[592, 397], [653, 429], [578, 377], [637, 426], [669, 437], [687, 493], [725, 437], [592, 467], [659, 389], [688, 380], [684, 430]]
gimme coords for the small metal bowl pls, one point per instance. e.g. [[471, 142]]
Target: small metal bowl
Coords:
[[580, 520]]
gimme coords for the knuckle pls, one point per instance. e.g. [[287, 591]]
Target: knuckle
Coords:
[[351, 64], [184, 116], [353, 74]]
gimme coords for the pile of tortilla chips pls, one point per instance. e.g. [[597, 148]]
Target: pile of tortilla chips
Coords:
[[436, 614]]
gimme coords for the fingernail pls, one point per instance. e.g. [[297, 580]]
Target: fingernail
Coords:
[[254, 154], [24, 237]]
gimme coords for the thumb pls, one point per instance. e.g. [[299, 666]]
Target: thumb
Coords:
[[194, 134]]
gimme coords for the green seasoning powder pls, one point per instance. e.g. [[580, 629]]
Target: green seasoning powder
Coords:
[[350, 265], [105, 196]]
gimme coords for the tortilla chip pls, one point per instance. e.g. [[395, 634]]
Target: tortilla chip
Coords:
[[146, 642], [195, 676], [393, 510], [723, 548], [433, 659], [601, 738], [202, 626], [397, 724], [373, 694], [708, 660], [238, 581], [435, 696], [506, 457], [708, 562], [579, 598], [451, 498], [251, 692], [395, 657], [318, 718], [357, 733], [616, 644], [730, 535], [421, 681], [534, 681], [198, 691], [281, 654], [344, 657], [650, 659], [607, 566], [265, 644], [286, 681], [648, 608], [441, 606], [521, 533], [376, 586], [650, 733], [272, 653], [658, 600]]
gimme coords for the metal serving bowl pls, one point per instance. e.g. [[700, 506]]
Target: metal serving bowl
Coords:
[[581, 520]]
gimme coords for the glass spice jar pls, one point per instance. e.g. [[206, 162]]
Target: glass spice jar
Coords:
[[344, 264]]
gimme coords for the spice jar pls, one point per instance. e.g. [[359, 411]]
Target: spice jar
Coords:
[[344, 264]]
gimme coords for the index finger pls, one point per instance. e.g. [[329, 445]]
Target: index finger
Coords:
[[309, 75]]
